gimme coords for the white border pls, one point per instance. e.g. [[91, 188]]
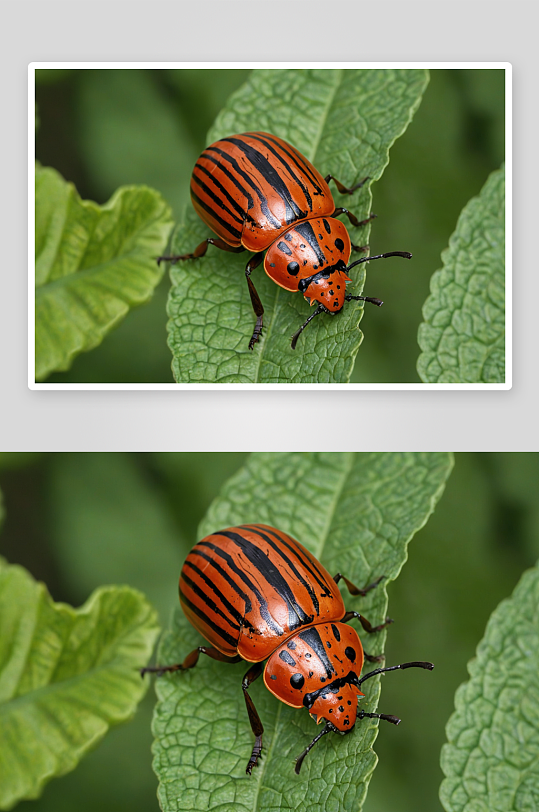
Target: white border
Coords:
[[32, 384]]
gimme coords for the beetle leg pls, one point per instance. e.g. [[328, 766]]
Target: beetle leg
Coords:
[[190, 661], [352, 217], [255, 260], [346, 190], [365, 623], [371, 658], [201, 249], [355, 590], [256, 725]]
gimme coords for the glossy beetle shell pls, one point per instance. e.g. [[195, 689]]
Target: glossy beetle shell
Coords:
[[248, 589], [258, 191], [250, 188]]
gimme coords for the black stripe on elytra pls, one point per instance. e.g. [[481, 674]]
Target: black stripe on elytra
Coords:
[[306, 231], [224, 574], [304, 189], [211, 211], [272, 177], [288, 561], [262, 603], [314, 641], [312, 568], [234, 203], [221, 204], [249, 181], [232, 641], [218, 594], [207, 601], [302, 164], [226, 171], [268, 570]]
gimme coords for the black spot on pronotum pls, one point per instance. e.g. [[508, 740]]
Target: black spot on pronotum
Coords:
[[336, 632], [291, 645], [282, 246], [327, 226], [339, 245], [350, 653], [286, 658], [297, 681], [292, 268], [273, 676]]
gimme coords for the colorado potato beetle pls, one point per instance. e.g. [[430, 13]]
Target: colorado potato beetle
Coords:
[[258, 595], [258, 193]]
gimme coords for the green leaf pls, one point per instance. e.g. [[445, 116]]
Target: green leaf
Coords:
[[357, 513], [492, 759], [463, 334], [344, 122], [92, 264], [66, 675]]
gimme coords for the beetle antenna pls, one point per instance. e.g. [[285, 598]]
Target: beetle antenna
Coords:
[[386, 717], [370, 299], [299, 761], [428, 666], [319, 309], [405, 254]]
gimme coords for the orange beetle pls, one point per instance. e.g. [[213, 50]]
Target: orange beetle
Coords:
[[258, 193], [256, 594]]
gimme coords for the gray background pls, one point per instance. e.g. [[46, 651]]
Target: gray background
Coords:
[[300, 30]]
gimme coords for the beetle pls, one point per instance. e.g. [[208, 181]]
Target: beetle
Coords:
[[258, 193], [256, 594]]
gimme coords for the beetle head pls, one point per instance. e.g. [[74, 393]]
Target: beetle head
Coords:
[[318, 669]]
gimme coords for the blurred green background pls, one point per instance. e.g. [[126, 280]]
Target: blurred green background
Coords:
[[105, 128], [77, 521]]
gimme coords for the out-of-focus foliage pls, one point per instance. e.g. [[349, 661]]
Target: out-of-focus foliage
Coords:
[[482, 535], [93, 263], [455, 140], [491, 760], [67, 676], [463, 333]]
